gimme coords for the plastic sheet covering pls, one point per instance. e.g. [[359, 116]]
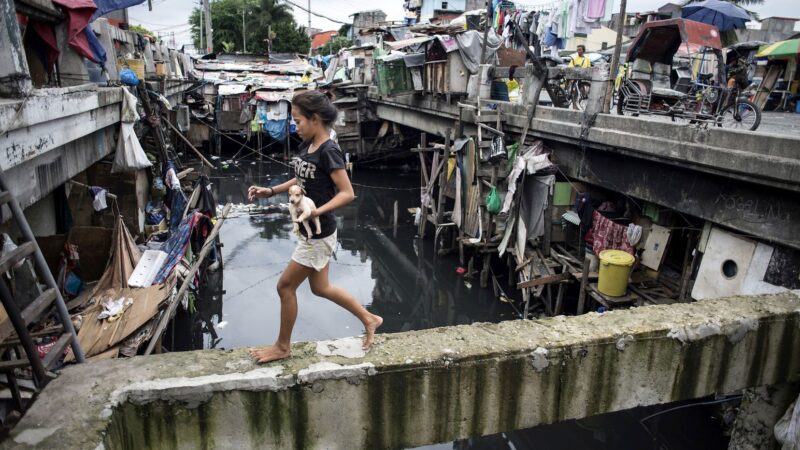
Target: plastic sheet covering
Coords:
[[124, 258], [787, 430], [79, 13], [130, 154], [469, 45], [129, 102]]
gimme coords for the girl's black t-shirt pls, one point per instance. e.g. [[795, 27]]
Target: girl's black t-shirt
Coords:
[[313, 173]]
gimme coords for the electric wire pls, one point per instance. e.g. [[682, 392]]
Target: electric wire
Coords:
[[288, 165], [313, 13], [690, 405]]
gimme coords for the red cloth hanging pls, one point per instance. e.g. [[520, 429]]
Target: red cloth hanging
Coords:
[[606, 234], [46, 35], [79, 13]]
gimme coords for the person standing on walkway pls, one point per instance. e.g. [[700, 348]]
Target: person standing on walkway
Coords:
[[580, 60], [320, 171]]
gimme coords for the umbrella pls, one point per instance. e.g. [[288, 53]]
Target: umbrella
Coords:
[[723, 15], [781, 49]]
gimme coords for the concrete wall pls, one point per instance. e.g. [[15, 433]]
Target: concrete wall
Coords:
[[421, 387], [429, 6]]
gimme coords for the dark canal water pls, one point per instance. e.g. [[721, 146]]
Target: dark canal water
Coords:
[[398, 277]]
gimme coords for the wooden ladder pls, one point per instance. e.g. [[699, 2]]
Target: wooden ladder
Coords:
[[22, 318]]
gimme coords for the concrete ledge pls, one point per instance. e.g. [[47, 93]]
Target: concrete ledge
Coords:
[[421, 387], [749, 156]]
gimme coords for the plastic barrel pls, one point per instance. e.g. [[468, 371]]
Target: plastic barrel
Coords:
[[615, 268]]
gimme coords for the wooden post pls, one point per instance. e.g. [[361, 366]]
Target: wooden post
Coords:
[[560, 295], [443, 178], [423, 173], [207, 246], [196, 151], [615, 57], [548, 226], [360, 148], [688, 268], [148, 110], [584, 283]]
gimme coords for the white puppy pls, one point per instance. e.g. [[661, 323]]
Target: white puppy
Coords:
[[300, 209]]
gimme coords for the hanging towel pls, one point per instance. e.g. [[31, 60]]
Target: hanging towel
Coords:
[[98, 198], [595, 9]]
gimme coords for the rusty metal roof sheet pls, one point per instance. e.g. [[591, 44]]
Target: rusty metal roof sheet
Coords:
[[658, 41]]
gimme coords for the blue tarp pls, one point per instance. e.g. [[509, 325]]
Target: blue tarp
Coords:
[[175, 247], [276, 129], [96, 46], [106, 6]]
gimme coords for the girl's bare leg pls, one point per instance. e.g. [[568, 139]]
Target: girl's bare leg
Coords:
[[291, 278], [322, 288]]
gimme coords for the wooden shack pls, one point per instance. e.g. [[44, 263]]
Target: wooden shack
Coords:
[[445, 72]]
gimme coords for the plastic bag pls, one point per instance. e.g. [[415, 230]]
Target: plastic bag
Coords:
[[128, 77], [498, 150], [129, 101], [493, 202], [130, 155]]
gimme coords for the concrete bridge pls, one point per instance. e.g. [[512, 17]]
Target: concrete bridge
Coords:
[[421, 387], [49, 135], [747, 181]]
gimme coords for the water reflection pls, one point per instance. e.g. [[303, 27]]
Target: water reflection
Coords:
[[389, 271]]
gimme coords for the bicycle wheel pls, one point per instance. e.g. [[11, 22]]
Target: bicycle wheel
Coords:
[[749, 116], [579, 95]]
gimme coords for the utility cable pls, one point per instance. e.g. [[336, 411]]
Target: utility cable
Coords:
[[252, 150], [313, 13]]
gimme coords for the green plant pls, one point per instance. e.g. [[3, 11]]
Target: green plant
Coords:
[[259, 17], [334, 45]]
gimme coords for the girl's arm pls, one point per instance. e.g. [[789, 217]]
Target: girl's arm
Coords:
[[255, 192], [343, 197]]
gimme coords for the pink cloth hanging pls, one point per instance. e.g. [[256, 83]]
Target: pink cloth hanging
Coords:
[[595, 9]]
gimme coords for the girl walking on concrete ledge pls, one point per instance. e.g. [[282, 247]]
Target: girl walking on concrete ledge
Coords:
[[320, 171]]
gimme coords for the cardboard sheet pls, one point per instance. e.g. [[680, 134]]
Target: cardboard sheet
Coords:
[[97, 336]]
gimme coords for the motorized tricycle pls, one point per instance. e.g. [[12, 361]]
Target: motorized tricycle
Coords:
[[655, 83]]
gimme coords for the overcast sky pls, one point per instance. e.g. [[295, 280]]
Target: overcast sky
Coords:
[[170, 16]]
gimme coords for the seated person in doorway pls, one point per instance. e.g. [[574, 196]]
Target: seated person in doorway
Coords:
[[737, 73]]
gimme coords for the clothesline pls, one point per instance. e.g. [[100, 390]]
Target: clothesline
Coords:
[[538, 6], [108, 194]]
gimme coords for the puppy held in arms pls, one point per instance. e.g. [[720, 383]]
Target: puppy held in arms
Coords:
[[300, 209]]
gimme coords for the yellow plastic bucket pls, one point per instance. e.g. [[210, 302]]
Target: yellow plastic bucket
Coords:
[[615, 268]]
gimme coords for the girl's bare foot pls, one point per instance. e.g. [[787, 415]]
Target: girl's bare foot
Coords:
[[271, 353], [372, 325]]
